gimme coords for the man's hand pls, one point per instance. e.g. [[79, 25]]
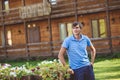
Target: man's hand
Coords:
[[70, 71], [92, 63]]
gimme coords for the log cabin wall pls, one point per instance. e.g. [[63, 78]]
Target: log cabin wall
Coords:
[[41, 35], [115, 29], [15, 4], [17, 33], [0, 36]]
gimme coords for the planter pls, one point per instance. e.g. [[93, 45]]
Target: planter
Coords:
[[32, 77], [35, 77]]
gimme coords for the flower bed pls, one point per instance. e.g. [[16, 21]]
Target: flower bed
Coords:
[[46, 70]]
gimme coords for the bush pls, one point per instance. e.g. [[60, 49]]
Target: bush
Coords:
[[46, 70]]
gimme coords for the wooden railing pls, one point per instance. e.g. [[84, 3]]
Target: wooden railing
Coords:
[[61, 9], [45, 49], [16, 15], [102, 45]]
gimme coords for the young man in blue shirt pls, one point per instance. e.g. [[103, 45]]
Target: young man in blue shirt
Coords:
[[80, 66]]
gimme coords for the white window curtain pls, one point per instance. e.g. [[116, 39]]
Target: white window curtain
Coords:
[[2, 38], [6, 4], [63, 33], [9, 37], [95, 28], [69, 29], [53, 2]]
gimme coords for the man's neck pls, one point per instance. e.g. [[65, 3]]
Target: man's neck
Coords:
[[77, 37]]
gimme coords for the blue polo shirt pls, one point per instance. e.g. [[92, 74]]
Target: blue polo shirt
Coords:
[[76, 51]]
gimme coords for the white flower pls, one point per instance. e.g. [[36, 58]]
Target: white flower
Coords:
[[55, 60], [59, 61], [13, 74], [4, 66], [38, 64], [28, 71], [13, 69]]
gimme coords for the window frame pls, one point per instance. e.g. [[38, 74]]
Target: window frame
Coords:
[[9, 37], [53, 2], [98, 25], [4, 6], [66, 29]]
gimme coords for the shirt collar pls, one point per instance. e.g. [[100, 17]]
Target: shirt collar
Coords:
[[81, 37]]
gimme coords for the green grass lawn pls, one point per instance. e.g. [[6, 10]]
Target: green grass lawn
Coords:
[[104, 68], [107, 69]]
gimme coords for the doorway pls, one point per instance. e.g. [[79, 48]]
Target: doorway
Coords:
[[33, 35]]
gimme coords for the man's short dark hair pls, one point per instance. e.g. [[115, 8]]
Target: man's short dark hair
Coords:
[[77, 23]]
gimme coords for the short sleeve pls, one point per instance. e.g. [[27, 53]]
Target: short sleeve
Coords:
[[89, 43], [65, 43]]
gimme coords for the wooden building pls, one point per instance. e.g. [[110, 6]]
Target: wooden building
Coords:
[[34, 28]]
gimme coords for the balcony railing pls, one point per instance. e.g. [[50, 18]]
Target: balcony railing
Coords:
[[61, 9], [45, 49]]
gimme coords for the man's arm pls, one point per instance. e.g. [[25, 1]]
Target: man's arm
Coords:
[[93, 54], [62, 59], [61, 55]]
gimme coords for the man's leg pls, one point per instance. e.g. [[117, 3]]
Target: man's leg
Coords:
[[72, 77], [79, 73], [89, 73]]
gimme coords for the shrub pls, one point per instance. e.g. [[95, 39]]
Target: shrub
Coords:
[[46, 70]]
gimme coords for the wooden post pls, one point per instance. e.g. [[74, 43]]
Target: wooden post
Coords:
[[50, 31], [75, 8], [4, 36], [26, 38], [108, 25], [23, 2], [26, 35], [4, 32]]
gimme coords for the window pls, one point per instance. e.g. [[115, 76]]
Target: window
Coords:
[[33, 34], [65, 30], [3, 38], [53, 2], [9, 38], [6, 5], [99, 28], [69, 29]]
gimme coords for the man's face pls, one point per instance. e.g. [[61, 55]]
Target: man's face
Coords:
[[76, 30]]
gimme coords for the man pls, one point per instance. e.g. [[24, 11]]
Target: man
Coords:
[[76, 45]]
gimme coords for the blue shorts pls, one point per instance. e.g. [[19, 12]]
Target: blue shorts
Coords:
[[83, 73]]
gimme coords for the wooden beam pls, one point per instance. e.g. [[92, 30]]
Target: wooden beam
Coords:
[[64, 12], [26, 38], [4, 32], [50, 31], [23, 2], [75, 9], [108, 25]]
